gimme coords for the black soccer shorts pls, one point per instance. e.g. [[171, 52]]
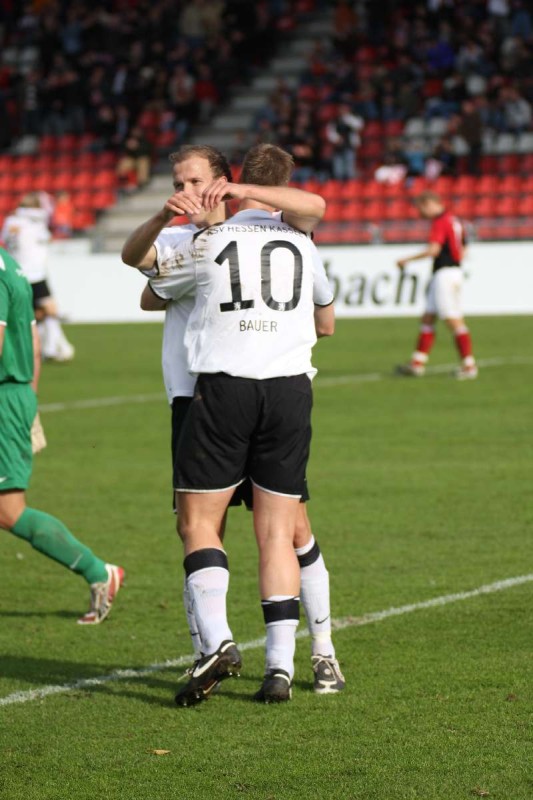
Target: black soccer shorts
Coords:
[[41, 291], [180, 407], [238, 427]]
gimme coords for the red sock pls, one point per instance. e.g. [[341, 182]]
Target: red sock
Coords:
[[464, 343], [424, 344]]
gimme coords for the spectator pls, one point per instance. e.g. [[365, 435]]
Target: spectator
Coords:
[[395, 164], [516, 110], [442, 161], [62, 216], [470, 128], [343, 133], [135, 160]]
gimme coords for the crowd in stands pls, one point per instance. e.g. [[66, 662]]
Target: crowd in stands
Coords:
[[87, 66], [401, 90], [463, 67]]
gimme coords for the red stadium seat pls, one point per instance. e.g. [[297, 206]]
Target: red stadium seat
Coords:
[[487, 184], [508, 164], [525, 206], [373, 211], [506, 206], [465, 184], [84, 200], [351, 211], [393, 127], [465, 207], [488, 165], [397, 209], [6, 182], [483, 207], [350, 189], [509, 184], [7, 204], [103, 198], [330, 190], [82, 219], [43, 181], [105, 179], [23, 183], [333, 210]]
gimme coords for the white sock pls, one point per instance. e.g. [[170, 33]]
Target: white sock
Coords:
[[52, 336], [280, 633], [207, 590], [314, 594], [191, 622]]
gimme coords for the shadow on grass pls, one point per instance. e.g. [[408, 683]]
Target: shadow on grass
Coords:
[[155, 689]]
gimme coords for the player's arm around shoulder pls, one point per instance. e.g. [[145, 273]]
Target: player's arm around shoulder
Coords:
[[323, 297], [324, 320], [139, 249], [150, 301]]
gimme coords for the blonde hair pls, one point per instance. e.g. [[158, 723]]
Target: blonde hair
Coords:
[[267, 165], [428, 196], [30, 200], [217, 160]]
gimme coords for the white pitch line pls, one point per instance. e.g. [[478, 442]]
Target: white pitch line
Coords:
[[337, 380], [338, 624]]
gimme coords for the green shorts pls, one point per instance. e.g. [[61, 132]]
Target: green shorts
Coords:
[[18, 406]]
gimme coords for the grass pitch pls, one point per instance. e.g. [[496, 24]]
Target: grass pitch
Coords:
[[420, 489]]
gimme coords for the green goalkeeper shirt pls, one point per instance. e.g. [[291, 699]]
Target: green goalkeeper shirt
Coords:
[[16, 314]]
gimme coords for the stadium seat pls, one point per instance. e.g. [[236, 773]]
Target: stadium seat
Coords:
[[509, 163], [525, 142], [466, 206], [372, 211], [506, 206], [105, 179], [333, 210], [351, 211], [487, 184], [330, 190], [84, 200], [524, 206], [414, 127], [7, 204], [371, 190], [483, 207], [103, 198], [354, 235], [509, 184], [465, 184], [350, 189], [82, 219], [393, 127], [6, 182], [488, 165], [43, 181], [23, 183], [397, 209]]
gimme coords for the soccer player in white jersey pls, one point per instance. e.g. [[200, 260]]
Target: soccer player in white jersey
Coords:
[[194, 167], [249, 339], [27, 237]]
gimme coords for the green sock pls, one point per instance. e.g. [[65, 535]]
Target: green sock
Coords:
[[48, 535]]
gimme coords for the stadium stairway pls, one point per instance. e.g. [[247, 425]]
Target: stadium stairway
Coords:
[[229, 129]]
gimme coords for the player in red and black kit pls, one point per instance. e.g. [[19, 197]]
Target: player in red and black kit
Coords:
[[446, 248]]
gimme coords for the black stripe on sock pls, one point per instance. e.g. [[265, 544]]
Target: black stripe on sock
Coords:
[[279, 610], [309, 558], [202, 559]]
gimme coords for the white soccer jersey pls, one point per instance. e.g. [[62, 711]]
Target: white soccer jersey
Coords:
[[176, 376], [26, 236], [257, 281]]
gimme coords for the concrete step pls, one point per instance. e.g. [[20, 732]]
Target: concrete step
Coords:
[[233, 120], [268, 82]]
